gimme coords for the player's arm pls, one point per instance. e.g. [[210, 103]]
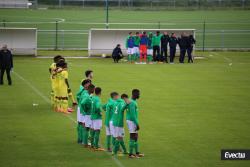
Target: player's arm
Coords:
[[132, 109], [126, 43]]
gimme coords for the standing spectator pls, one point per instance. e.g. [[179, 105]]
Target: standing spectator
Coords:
[[191, 43], [173, 41], [164, 46], [143, 47], [183, 43], [117, 53], [156, 46], [6, 64]]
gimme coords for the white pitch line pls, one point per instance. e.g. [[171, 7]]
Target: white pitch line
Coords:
[[46, 99]]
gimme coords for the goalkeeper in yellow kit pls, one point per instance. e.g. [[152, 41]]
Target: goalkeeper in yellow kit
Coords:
[[62, 89], [52, 71]]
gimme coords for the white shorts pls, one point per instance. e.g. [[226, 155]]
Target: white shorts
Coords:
[[88, 121], [149, 51], [130, 51], [82, 118], [136, 50], [96, 124], [78, 115], [118, 132], [111, 127], [131, 126], [108, 132]]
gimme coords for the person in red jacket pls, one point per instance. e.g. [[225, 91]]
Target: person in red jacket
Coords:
[[143, 46]]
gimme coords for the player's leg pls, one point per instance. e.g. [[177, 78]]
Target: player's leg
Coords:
[[1, 75], [97, 127], [108, 139], [92, 134]]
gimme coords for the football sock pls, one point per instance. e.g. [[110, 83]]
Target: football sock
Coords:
[[136, 147], [131, 146], [92, 135], [96, 140], [123, 146], [108, 138]]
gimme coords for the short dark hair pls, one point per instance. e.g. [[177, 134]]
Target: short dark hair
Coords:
[[98, 90], [91, 88], [118, 45], [137, 32], [135, 92], [130, 33], [88, 72], [113, 94], [56, 58], [144, 32], [85, 81], [61, 64], [157, 32], [124, 96]]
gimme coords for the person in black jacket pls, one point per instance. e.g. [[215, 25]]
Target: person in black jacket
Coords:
[[117, 53], [6, 64], [164, 46], [191, 43], [183, 44], [173, 41]]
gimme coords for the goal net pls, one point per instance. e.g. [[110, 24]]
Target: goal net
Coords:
[[21, 41], [103, 41]]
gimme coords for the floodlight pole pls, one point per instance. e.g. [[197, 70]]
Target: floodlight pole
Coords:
[[107, 14]]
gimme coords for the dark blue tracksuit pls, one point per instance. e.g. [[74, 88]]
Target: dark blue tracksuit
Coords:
[[173, 41], [191, 43], [183, 43]]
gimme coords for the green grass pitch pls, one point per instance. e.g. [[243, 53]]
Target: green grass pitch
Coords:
[[188, 112], [227, 20]]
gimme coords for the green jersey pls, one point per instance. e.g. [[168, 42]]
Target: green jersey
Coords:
[[118, 115], [86, 104], [136, 41], [156, 40], [132, 112], [109, 109], [96, 110], [79, 94]]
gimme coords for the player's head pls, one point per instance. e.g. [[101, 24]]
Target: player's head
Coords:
[[137, 33], [173, 35], [5, 47], [135, 93], [157, 33], [98, 91], [89, 74], [118, 45], [191, 36], [61, 64], [165, 33], [150, 34], [114, 95], [86, 83], [91, 89], [130, 34], [57, 58], [144, 33], [124, 96]]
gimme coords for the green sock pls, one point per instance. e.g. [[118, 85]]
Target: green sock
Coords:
[[79, 133], [131, 146], [136, 147], [96, 140], [129, 58], [116, 147], [123, 146], [92, 135], [113, 141], [83, 135], [108, 138]]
